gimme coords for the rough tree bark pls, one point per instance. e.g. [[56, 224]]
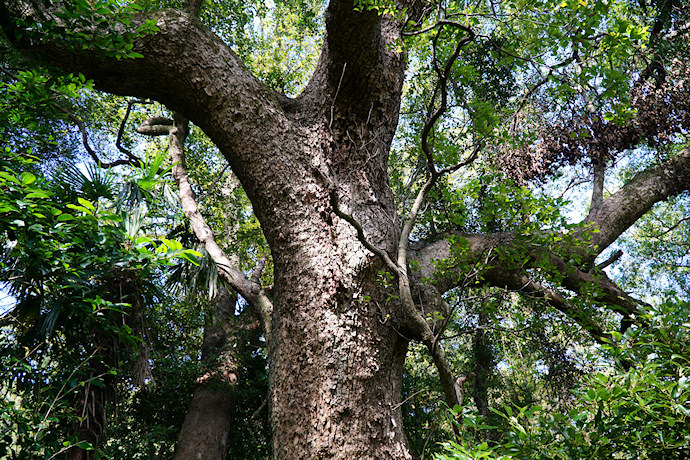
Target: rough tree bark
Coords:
[[205, 430], [315, 170], [210, 415]]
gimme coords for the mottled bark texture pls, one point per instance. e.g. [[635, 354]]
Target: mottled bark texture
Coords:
[[205, 430], [338, 339]]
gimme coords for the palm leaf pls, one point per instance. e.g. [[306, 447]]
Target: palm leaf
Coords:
[[86, 181]]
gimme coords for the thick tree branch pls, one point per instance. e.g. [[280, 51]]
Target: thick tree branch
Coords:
[[187, 68], [607, 291], [622, 209], [247, 288], [360, 61], [521, 283], [604, 224], [193, 7], [354, 42], [496, 273], [613, 258], [156, 126]]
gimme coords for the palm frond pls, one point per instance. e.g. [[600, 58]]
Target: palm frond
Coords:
[[196, 281], [87, 181], [133, 219]]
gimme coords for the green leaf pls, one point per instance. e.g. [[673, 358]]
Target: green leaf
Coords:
[[27, 178], [87, 204], [40, 194]]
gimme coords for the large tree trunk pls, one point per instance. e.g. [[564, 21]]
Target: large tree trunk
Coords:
[[336, 367], [207, 424], [338, 339], [338, 336], [336, 352], [205, 430], [336, 349]]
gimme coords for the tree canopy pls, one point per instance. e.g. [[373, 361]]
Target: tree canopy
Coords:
[[360, 229]]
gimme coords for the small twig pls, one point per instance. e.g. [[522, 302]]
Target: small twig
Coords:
[[132, 161], [87, 146], [258, 411], [431, 433], [213, 184], [409, 397], [671, 228], [574, 182], [441, 22], [78, 444], [29, 353], [59, 393], [337, 91], [483, 328], [467, 161], [526, 96], [441, 88]]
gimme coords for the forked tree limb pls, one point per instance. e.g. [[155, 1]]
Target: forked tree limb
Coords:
[[621, 210], [250, 289], [604, 224]]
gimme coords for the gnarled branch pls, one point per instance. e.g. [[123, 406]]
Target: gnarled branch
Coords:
[[250, 289]]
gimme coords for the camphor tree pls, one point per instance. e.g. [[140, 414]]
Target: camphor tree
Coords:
[[359, 271]]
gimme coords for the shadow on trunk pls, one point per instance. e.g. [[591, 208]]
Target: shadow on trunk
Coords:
[[209, 420]]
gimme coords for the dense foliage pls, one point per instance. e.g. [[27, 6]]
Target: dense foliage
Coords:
[[101, 345]]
